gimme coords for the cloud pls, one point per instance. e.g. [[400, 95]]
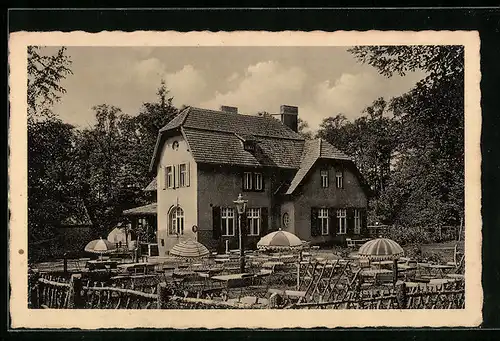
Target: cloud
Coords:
[[264, 86], [187, 85], [233, 77], [350, 94]]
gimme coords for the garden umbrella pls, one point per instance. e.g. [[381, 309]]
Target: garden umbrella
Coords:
[[189, 249], [279, 240], [100, 246], [382, 249]]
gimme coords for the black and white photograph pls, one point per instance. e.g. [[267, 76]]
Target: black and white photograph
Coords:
[[284, 178]]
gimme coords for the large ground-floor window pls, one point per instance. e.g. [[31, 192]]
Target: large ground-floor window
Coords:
[[253, 221], [176, 221]]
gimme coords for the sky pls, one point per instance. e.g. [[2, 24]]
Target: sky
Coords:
[[321, 81]]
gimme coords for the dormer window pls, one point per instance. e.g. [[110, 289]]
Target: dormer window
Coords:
[[249, 146]]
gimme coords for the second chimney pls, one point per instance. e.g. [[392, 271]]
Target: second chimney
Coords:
[[225, 108], [290, 117]]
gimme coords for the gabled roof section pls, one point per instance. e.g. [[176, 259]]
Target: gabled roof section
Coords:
[[152, 186], [310, 154], [217, 137], [314, 150], [327, 151], [232, 123], [213, 147], [150, 209]]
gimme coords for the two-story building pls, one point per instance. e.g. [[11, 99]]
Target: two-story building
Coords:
[[204, 158]]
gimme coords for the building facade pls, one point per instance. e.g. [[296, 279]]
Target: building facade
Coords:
[[203, 159]]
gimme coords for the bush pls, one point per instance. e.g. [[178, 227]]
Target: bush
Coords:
[[409, 235]]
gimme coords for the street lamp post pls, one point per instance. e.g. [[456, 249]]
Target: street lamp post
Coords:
[[241, 206]]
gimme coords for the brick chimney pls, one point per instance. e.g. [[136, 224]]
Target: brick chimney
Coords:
[[289, 116], [225, 108]]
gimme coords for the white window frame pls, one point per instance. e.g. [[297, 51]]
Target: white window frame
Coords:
[[247, 181], [169, 177], [324, 178], [253, 221], [342, 220], [258, 181], [339, 177], [357, 221], [323, 221], [183, 174], [176, 221], [227, 219]]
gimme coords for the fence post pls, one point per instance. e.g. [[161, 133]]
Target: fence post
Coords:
[[33, 286], [75, 292], [401, 294], [162, 296]]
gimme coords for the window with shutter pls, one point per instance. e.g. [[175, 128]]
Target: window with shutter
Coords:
[[264, 220], [169, 177], [315, 230], [342, 220], [350, 221], [182, 175], [216, 222], [332, 215], [323, 221], [253, 221], [357, 221]]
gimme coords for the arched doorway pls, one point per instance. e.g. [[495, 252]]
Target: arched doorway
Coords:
[[176, 221]]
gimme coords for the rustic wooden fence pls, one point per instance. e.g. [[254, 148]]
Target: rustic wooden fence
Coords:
[[51, 292], [445, 296], [58, 293]]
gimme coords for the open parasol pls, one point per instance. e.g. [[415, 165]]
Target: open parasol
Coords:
[[100, 246], [280, 240], [382, 249], [189, 249]]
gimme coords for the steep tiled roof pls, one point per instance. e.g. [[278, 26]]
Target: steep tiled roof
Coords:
[[151, 187], [218, 147], [229, 122], [327, 151], [216, 137], [314, 150], [310, 154], [150, 209], [227, 148]]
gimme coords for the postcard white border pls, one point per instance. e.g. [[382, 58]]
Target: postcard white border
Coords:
[[21, 316]]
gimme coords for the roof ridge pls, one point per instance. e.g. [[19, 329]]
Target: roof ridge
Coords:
[[256, 135]]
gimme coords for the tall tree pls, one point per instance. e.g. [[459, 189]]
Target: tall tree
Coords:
[[430, 165], [45, 73]]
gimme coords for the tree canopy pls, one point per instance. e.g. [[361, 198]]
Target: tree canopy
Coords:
[[411, 148]]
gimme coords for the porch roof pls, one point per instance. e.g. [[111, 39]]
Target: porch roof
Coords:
[[150, 209]]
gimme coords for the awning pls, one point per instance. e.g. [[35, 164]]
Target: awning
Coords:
[[150, 209]]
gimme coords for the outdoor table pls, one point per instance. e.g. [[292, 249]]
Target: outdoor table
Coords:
[[184, 274], [221, 260], [456, 276], [406, 267], [442, 269], [270, 265], [97, 264], [144, 267], [234, 280], [374, 272]]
